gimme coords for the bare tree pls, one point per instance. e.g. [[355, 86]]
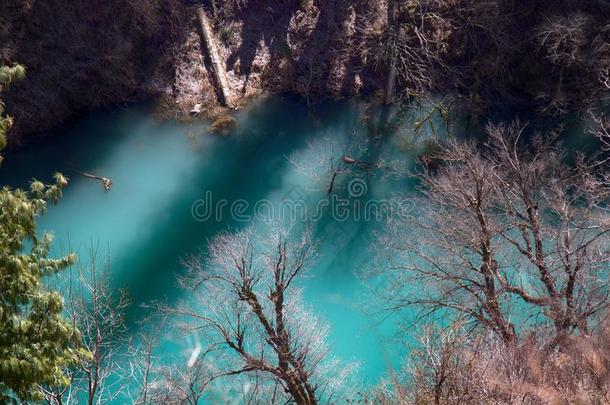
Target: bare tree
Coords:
[[417, 44], [502, 226], [178, 384], [601, 48], [249, 312], [98, 311], [446, 366], [144, 364], [601, 131], [407, 46], [449, 246], [557, 226], [562, 38]]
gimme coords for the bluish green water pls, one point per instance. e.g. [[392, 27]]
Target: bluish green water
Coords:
[[159, 170]]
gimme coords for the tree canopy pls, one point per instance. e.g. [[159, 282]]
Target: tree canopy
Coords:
[[36, 341]]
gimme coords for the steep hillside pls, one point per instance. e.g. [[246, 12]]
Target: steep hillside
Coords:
[[85, 54]]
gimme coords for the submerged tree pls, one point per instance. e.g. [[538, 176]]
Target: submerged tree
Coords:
[[508, 225], [330, 160], [249, 312]]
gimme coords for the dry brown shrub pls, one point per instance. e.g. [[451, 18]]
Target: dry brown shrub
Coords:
[[452, 366]]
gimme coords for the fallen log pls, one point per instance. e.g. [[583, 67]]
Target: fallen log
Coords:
[[105, 180], [217, 67]]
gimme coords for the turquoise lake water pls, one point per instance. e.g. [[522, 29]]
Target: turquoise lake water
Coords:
[[145, 223]]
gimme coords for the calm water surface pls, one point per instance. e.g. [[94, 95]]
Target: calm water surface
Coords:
[[145, 225]]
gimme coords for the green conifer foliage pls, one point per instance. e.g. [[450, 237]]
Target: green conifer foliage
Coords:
[[37, 343]]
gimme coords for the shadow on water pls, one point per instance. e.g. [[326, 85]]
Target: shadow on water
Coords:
[[158, 173], [79, 143], [240, 169]]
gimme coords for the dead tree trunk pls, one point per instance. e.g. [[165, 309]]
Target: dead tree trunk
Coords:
[[391, 80]]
